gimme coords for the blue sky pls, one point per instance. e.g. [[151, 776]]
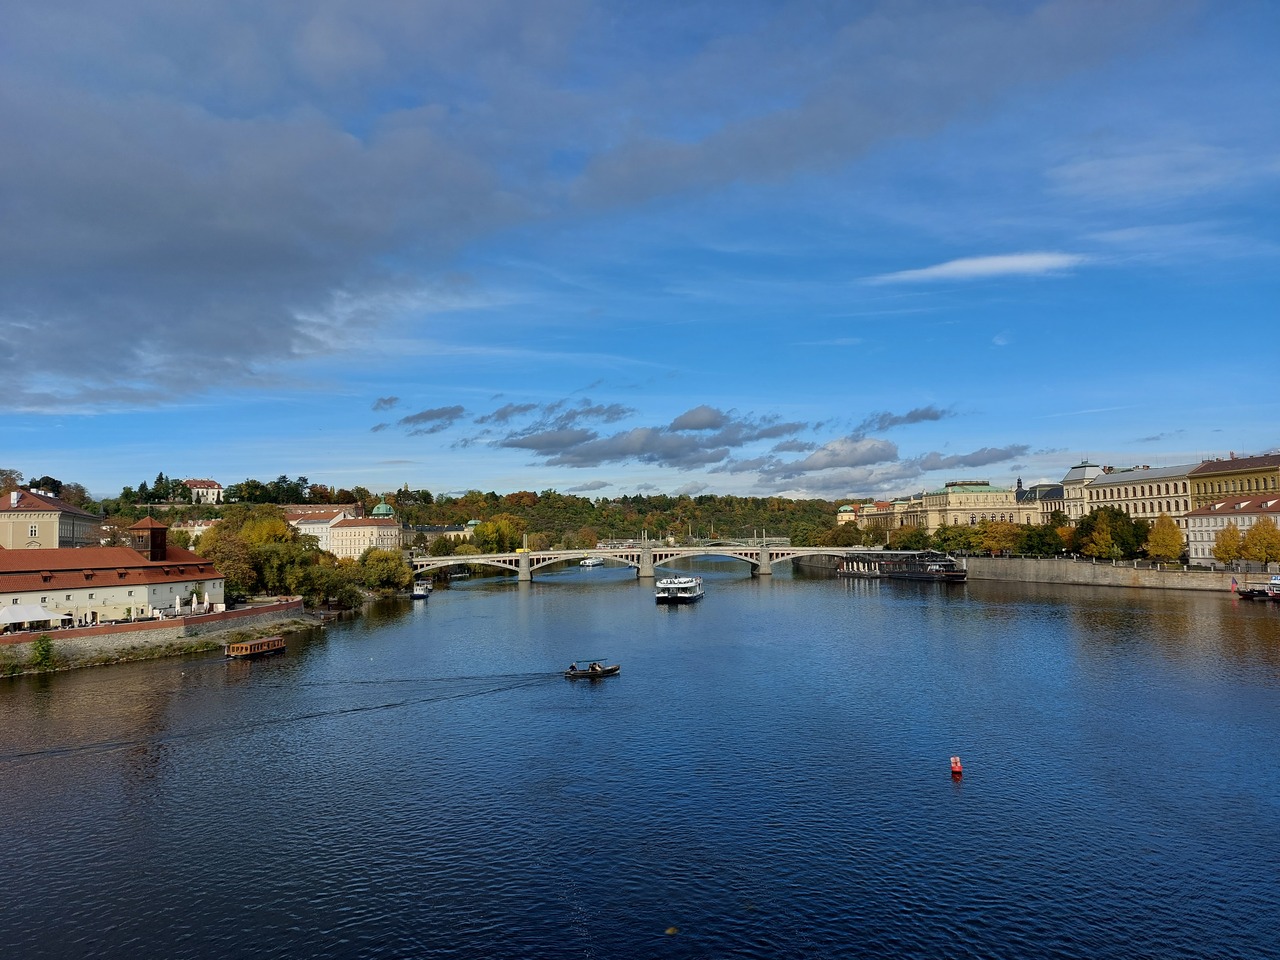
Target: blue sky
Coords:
[[806, 249]]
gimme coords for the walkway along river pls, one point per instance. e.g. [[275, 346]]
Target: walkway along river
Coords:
[[767, 777]]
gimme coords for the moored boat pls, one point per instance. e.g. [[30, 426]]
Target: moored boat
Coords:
[[678, 590], [926, 565], [244, 649], [421, 590]]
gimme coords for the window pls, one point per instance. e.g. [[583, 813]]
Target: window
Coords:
[[44, 599], [35, 531], [68, 596], [131, 593], [91, 596]]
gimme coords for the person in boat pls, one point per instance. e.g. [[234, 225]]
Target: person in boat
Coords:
[[596, 668], [573, 666]]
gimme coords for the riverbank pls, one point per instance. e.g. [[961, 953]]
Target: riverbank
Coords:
[[1080, 572], [148, 640]]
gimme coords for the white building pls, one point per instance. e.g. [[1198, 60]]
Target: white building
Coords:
[[93, 584], [1205, 523]]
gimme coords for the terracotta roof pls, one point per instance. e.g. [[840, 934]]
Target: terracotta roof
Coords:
[[149, 523], [64, 569], [32, 502], [314, 516], [369, 522], [1254, 503], [203, 484], [1238, 463]]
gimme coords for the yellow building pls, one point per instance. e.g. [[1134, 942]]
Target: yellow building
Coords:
[[32, 520], [969, 502], [1216, 479]]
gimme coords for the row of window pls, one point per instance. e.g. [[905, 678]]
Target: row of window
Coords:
[[1247, 485], [1140, 490]]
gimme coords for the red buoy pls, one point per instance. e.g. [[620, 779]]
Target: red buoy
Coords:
[[956, 769]]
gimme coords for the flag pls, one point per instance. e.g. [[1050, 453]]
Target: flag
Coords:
[[1234, 584]]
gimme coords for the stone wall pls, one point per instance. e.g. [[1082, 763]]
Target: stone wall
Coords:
[[1102, 574], [136, 641]]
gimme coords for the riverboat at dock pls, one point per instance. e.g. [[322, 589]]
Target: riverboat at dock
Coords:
[[926, 565], [678, 590], [263, 646]]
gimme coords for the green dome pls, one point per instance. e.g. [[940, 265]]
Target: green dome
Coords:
[[383, 509]]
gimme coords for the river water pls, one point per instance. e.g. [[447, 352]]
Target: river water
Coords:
[[767, 777]]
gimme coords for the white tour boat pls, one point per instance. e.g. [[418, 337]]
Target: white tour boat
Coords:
[[678, 590], [592, 562]]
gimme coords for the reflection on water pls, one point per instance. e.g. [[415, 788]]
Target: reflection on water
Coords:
[[768, 777]]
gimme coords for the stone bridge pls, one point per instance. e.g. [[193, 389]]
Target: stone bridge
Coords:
[[646, 558]]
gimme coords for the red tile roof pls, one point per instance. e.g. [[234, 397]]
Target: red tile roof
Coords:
[[31, 502], [1237, 463], [63, 569]]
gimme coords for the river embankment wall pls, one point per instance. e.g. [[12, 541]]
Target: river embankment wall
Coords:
[[1085, 572], [1081, 572], [114, 642]]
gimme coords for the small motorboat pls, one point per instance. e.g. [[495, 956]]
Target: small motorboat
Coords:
[[593, 671]]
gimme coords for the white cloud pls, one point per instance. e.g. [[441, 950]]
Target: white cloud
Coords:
[[1035, 264]]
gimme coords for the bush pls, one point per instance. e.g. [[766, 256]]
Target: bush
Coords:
[[42, 652]]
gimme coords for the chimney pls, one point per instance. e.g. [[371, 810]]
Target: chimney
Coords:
[[14, 497]]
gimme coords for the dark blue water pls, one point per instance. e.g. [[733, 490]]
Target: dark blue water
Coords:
[[768, 777]]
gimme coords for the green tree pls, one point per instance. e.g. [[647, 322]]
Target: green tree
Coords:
[[1039, 540], [502, 534], [441, 546], [956, 539], [1262, 543], [998, 537], [1124, 536], [1227, 544], [909, 538], [1165, 541], [385, 570], [10, 480], [1100, 544]]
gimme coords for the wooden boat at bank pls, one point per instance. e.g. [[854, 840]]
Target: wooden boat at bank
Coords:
[[594, 672], [678, 590], [244, 649], [926, 565]]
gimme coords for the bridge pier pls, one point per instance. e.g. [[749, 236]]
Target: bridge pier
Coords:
[[766, 567], [525, 572], [645, 571]]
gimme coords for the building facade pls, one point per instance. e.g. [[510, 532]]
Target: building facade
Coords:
[[1074, 502], [1213, 480], [1203, 524], [970, 502], [34, 520], [1143, 492], [93, 584], [204, 491]]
